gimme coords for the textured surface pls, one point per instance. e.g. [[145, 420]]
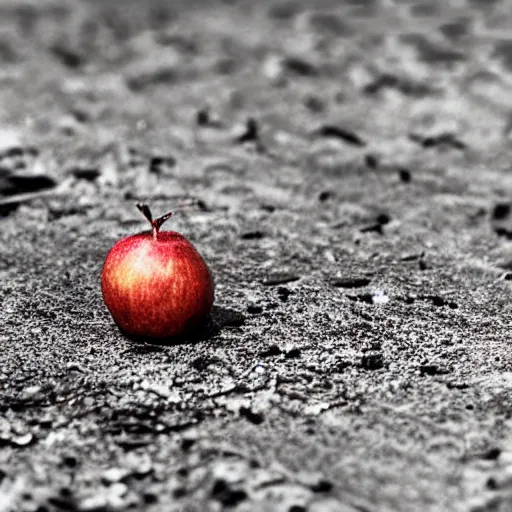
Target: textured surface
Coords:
[[352, 163]]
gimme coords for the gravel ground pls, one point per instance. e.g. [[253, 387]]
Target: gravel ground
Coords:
[[351, 165]]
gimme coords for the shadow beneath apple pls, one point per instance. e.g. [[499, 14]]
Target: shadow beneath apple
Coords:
[[219, 319]]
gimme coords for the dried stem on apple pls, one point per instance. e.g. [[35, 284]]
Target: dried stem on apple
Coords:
[[155, 223]]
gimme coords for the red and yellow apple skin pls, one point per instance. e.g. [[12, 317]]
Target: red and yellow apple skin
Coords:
[[156, 285]]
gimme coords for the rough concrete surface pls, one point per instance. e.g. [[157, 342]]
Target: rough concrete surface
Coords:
[[351, 161]]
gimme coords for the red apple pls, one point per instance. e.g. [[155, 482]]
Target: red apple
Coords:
[[155, 284]]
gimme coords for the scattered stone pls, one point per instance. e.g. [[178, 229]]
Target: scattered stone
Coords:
[[14, 184], [492, 454], [252, 235], [443, 139], [283, 293], [158, 163], [377, 227], [325, 195], [70, 461], [67, 55], [343, 134], [372, 361], [271, 351], [411, 256], [228, 496], [350, 282], [150, 498], [315, 481], [405, 175], [501, 211], [371, 160], [300, 66], [249, 414], [501, 480], [251, 132], [85, 173], [433, 369], [189, 438], [229, 318], [292, 353], [439, 301]]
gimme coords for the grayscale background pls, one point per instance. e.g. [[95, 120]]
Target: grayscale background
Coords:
[[351, 164]]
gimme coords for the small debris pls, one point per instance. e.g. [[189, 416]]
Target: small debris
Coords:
[[501, 480], [299, 66], [405, 175], [204, 117], [342, 134], [439, 301], [67, 56], [14, 184], [85, 173], [371, 161], [189, 438], [252, 235], [381, 221], [501, 211], [350, 282], [228, 496], [315, 481], [283, 293], [325, 195], [292, 353], [249, 414], [271, 351], [412, 256], [433, 369], [443, 139], [70, 461], [229, 318], [251, 132], [158, 163], [492, 454], [372, 361]]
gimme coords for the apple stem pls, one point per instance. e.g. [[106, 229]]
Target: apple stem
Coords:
[[155, 223]]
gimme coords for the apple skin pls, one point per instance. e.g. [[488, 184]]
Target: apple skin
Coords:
[[156, 285]]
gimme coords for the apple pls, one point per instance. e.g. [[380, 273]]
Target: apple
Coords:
[[155, 284]]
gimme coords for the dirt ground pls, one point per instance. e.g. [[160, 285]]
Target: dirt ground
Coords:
[[351, 161]]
